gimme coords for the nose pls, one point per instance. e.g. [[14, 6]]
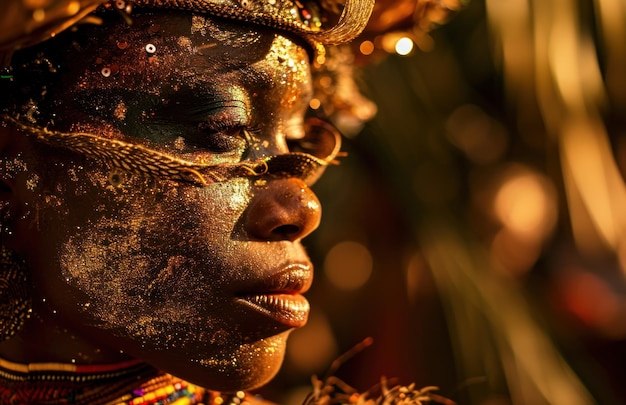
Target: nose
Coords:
[[283, 209]]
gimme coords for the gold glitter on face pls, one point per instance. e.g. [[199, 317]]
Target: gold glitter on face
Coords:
[[166, 271], [294, 70]]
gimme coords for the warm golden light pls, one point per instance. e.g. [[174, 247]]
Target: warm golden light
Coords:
[[525, 205], [348, 265], [366, 47], [404, 46], [39, 15], [315, 103], [596, 191], [313, 347], [73, 7]]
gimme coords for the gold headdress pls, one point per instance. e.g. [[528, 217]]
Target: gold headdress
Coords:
[[316, 21], [26, 22]]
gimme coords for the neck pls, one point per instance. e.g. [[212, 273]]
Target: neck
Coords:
[[71, 370], [66, 369], [62, 344]]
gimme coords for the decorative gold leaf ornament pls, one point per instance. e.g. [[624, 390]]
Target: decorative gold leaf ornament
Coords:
[[307, 160]]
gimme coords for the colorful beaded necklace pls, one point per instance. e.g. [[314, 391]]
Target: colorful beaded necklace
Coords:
[[162, 390], [169, 390], [60, 383], [128, 383]]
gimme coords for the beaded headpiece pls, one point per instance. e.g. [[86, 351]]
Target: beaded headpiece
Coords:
[[326, 22], [320, 22]]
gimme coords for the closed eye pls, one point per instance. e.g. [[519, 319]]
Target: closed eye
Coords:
[[225, 140], [209, 123]]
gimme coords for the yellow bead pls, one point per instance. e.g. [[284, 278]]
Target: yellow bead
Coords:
[[182, 401]]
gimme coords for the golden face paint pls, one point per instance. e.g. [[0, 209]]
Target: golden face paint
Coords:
[[166, 270]]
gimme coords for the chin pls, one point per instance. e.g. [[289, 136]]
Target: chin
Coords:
[[243, 368]]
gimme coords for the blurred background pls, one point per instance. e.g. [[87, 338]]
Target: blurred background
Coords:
[[476, 229]]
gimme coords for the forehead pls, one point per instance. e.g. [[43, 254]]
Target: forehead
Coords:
[[161, 54], [179, 47]]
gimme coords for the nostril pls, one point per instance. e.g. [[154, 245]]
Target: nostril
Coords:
[[286, 231], [284, 209]]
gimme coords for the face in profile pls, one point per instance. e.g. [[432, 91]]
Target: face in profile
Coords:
[[202, 281]]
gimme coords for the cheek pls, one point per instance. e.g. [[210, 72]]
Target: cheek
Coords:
[[145, 260]]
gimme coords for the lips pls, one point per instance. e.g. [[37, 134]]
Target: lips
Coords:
[[279, 298]]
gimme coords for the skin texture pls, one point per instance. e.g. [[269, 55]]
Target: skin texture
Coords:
[[126, 265]]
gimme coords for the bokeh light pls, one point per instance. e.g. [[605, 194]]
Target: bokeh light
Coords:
[[404, 46], [366, 47], [315, 103], [525, 204], [348, 265], [312, 348]]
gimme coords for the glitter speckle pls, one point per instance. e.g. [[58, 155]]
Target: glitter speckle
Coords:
[[179, 143], [32, 182], [120, 111]]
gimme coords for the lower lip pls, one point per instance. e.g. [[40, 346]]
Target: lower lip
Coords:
[[291, 310]]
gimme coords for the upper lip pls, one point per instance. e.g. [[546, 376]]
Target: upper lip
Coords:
[[294, 278]]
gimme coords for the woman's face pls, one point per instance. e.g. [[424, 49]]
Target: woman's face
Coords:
[[203, 282]]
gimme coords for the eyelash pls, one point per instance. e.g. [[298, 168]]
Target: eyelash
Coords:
[[217, 136]]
